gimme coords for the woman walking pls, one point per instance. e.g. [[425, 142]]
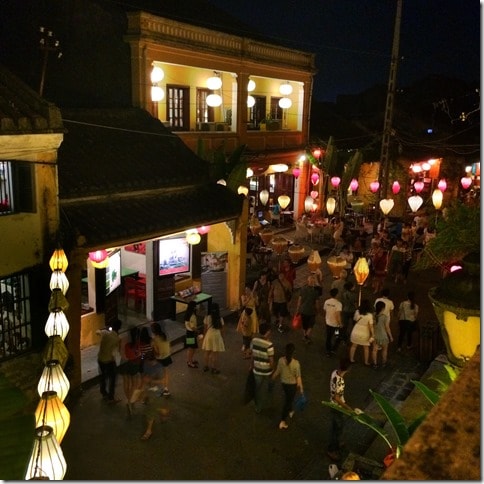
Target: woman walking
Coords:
[[383, 335], [362, 333], [130, 366], [162, 351], [213, 342], [191, 326], [407, 320], [289, 370], [245, 327]]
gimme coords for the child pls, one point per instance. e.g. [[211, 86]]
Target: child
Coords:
[[245, 327]]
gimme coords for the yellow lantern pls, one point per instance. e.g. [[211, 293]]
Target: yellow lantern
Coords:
[[54, 379], [57, 324], [52, 412], [266, 235], [336, 265], [386, 205], [193, 237], [58, 261], [330, 205], [264, 197], [284, 201], [279, 243], [242, 190], [437, 197], [314, 261], [296, 252], [361, 271]]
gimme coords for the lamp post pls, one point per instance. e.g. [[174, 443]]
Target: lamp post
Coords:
[[48, 43]]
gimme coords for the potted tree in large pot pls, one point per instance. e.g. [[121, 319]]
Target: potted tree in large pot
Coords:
[[456, 301]]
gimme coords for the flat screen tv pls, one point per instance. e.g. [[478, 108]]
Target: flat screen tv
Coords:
[[113, 271], [173, 256]]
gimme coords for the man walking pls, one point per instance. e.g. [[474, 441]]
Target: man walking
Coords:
[[106, 358], [337, 393], [306, 306], [332, 307], [262, 365], [389, 305]]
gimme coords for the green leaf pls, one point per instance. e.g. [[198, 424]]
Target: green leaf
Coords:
[[394, 418], [430, 395]]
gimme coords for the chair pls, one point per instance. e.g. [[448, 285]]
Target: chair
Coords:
[[135, 290]]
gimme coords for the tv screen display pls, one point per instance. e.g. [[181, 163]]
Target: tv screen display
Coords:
[[173, 256], [113, 272]]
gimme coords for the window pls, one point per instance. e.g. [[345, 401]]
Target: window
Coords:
[[15, 323], [205, 113], [258, 111], [16, 187], [178, 107], [276, 110]]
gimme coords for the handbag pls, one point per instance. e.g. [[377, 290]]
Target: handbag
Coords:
[[301, 402], [296, 321]]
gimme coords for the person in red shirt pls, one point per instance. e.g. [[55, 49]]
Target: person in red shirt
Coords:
[[289, 271]]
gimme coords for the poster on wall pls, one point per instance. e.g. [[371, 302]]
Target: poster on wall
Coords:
[[137, 248], [214, 276]]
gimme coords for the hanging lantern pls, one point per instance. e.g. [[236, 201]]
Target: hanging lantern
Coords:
[[415, 202], [426, 166], [55, 349], [280, 167], [331, 205], [336, 265], [243, 190], [58, 261], [285, 88], [52, 412], [250, 101], [354, 185], [361, 271], [442, 185], [314, 261], [308, 204], [374, 186], [314, 194], [416, 168], [98, 255], [250, 85], [249, 173], [419, 186], [214, 100], [386, 205], [466, 182], [266, 235], [47, 460], [279, 244], [204, 229], [57, 324], [193, 237], [285, 103], [314, 178], [335, 181], [314, 207], [157, 74], [214, 83], [222, 182], [58, 280], [54, 379], [395, 187], [101, 265], [296, 172], [284, 201], [295, 252], [157, 94], [264, 197], [437, 198], [57, 301]]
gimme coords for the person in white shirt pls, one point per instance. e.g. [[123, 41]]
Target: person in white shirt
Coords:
[[389, 306], [332, 308]]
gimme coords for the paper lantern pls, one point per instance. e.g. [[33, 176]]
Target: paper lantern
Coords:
[[466, 182], [426, 166], [98, 255], [57, 301], [242, 190], [336, 265], [442, 185], [395, 187], [285, 103], [314, 178], [296, 252], [415, 202], [52, 412], [280, 167], [57, 324], [193, 237], [354, 184], [335, 181], [58, 280], [204, 229], [361, 270], [418, 186], [250, 85], [314, 194], [308, 204], [283, 201], [47, 460], [264, 197], [250, 101], [330, 205], [214, 100], [157, 74], [285, 88], [157, 94], [437, 198], [214, 83], [386, 205], [374, 186], [102, 264], [296, 172], [54, 379], [58, 261], [279, 244], [314, 261], [266, 235], [222, 182]]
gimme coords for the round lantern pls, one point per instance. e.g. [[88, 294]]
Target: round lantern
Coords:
[[193, 237], [296, 172], [250, 85], [386, 205], [98, 255], [308, 204], [374, 186], [314, 178], [415, 202], [395, 187], [204, 229], [314, 261], [285, 103], [52, 412], [54, 379], [280, 167], [157, 94], [336, 265], [283, 201], [279, 244], [330, 205], [442, 185], [354, 185], [426, 166], [419, 186], [285, 88], [466, 182], [314, 194], [214, 100], [266, 235], [295, 252], [243, 190], [437, 198], [264, 197], [58, 261], [250, 101], [157, 74], [214, 83], [335, 181]]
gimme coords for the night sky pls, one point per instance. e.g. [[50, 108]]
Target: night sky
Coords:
[[352, 39]]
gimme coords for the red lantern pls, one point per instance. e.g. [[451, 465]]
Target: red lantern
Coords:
[[335, 181], [314, 178], [317, 153], [204, 229], [296, 172], [314, 194], [374, 186], [442, 185], [418, 185], [98, 256], [354, 185], [395, 187], [466, 182]]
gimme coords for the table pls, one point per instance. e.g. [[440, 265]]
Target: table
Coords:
[[199, 298], [289, 213]]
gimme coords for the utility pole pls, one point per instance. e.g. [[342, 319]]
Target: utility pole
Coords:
[[387, 126], [48, 43]]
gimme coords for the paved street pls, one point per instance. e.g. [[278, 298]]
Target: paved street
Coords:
[[211, 435]]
